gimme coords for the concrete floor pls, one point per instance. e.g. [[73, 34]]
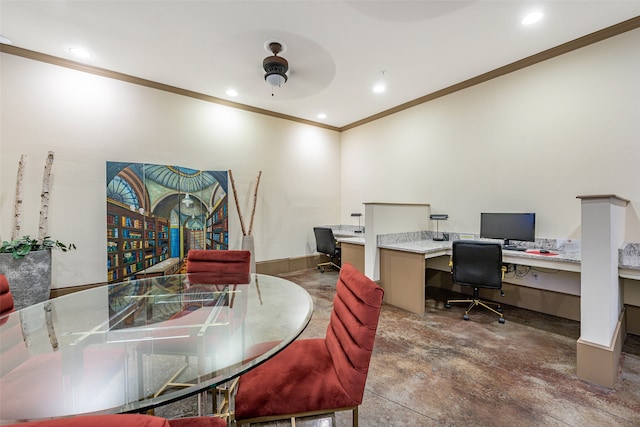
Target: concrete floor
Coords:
[[439, 370]]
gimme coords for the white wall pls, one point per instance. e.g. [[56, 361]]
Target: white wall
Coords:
[[532, 140], [88, 120]]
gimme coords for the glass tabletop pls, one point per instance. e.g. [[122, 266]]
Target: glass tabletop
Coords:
[[120, 347]]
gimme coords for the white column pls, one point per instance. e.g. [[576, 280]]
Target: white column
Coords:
[[603, 220]]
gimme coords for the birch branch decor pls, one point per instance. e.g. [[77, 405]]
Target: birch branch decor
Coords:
[[245, 232], [17, 208], [235, 196], [19, 246], [44, 198], [255, 202]]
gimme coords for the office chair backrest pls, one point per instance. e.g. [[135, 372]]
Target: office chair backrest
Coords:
[[218, 261], [325, 241], [352, 328], [477, 264]]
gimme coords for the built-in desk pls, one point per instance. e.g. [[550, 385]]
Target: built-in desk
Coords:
[[402, 265], [403, 272], [403, 268], [553, 287]]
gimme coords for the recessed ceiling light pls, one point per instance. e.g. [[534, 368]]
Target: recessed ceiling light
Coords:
[[232, 92], [5, 40], [379, 88], [322, 116], [532, 18], [80, 52]]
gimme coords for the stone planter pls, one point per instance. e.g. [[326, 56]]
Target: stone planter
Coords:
[[248, 245], [29, 277]]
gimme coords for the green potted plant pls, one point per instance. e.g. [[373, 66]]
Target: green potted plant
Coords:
[[19, 248]]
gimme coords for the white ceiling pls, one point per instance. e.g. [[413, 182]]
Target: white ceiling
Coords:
[[336, 49]]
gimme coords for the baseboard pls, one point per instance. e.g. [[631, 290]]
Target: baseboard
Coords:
[[599, 364], [287, 265], [58, 292]]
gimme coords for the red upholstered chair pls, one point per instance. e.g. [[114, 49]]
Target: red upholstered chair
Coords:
[[125, 420], [316, 376], [214, 261], [6, 299]]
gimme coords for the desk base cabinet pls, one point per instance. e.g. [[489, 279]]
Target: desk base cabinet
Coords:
[[402, 276], [353, 254]]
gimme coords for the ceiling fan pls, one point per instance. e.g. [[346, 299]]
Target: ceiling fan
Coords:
[[275, 66]]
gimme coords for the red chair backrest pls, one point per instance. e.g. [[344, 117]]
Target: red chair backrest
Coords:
[[217, 261], [6, 299], [352, 329]]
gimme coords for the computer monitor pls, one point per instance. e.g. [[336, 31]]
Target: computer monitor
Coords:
[[508, 226]]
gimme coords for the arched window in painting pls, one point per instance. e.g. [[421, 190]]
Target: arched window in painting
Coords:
[[121, 191]]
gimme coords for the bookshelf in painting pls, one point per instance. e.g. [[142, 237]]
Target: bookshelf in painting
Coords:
[[162, 236], [134, 241], [217, 226]]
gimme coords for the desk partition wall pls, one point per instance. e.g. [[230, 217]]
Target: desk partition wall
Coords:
[[384, 218]]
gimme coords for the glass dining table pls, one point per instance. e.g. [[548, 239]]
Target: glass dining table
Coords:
[[137, 345]]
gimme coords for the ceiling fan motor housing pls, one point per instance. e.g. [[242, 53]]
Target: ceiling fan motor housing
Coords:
[[275, 64]]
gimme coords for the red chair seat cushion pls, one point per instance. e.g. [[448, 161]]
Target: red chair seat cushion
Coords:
[[273, 388]]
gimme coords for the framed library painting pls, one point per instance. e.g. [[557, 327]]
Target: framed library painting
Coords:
[[156, 213]]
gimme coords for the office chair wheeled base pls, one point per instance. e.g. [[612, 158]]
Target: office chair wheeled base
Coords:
[[321, 266], [476, 302]]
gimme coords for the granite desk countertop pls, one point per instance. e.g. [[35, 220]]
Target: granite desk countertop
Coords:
[[359, 240], [629, 256], [433, 248], [427, 247]]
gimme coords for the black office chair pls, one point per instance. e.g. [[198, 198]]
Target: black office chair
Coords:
[[479, 265], [326, 244]]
